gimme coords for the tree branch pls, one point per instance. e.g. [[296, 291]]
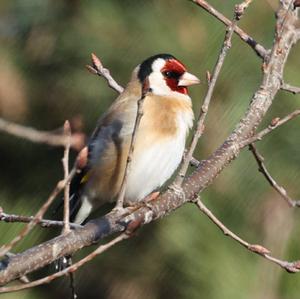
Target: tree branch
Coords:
[[98, 69], [259, 49], [33, 135], [65, 162], [139, 115], [43, 254], [69, 270], [291, 267], [204, 108], [290, 88], [262, 168], [276, 122], [45, 223], [38, 216]]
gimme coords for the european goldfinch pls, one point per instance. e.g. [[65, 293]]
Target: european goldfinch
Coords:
[[160, 140]]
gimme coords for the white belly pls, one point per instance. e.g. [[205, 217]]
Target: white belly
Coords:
[[153, 167]]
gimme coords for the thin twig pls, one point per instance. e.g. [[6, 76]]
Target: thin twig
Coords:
[[37, 136], [39, 215], [45, 223], [98, 69], [140, 102], [204, 108], [291, 267], [259, 49], [276, 122], [290, 88], [240, 8], [262, 168], [66, 219], [67, 270], [65, 162]]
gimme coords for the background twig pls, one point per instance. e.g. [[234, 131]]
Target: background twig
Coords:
[[292, 267], [33, 135], [262, 168]]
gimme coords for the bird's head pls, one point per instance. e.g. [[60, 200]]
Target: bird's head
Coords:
[[165, 75]]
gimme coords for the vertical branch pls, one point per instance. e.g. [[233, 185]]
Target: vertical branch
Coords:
[[140, 102], [65, 162]]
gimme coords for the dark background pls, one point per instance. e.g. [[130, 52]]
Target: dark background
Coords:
[[44, 46]]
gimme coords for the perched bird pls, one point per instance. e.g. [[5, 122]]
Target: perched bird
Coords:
[[160, 140]]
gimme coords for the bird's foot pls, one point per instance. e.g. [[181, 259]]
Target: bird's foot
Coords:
[[120, 210], [63, 263], [144, 202]]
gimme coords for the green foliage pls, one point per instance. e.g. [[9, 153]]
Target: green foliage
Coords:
[[44, 46]]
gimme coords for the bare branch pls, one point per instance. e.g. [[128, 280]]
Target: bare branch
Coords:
[[240, 8], [291, 267], [11, 218], [98, 69], [276, 122], [262, 168], [67, 270], [33, 135], [65, 162], [204, 109], [139, 114], [39, 215], [290, 88], [259, 49]]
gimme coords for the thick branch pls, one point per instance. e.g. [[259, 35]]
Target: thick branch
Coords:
[[69, 270], [202, 177]]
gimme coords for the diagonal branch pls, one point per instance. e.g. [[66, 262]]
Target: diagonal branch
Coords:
[[276, 122], [39, 215], [139, 115], [97, 68], [262, 168], [291, 267], [204, 108], [259, 49], [69, 270]]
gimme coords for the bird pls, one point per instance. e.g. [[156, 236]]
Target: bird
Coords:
[[159, 144]]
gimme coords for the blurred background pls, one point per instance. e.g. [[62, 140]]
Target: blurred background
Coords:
[[44, 45]]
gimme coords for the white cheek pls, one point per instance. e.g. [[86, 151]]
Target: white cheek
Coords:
[[158, 84]]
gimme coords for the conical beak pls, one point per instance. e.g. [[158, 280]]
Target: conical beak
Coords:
[[188, 79]]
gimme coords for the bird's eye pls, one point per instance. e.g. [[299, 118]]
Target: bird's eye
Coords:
[[171, 74]]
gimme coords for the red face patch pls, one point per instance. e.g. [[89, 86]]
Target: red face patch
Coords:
[[172, 71]]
